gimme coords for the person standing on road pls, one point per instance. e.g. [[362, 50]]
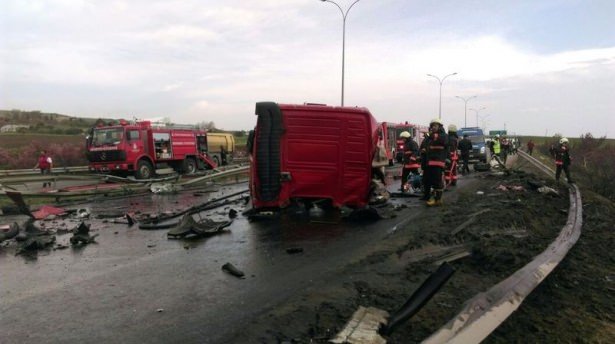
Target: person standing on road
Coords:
[[411, 164], [436, 153], [44, 163], [223, 154], [465, 146], [530, 147], [562, 160], [505, 149], [496, 146], [451, 167]]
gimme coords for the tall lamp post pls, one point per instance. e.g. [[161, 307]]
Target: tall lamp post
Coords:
[[465, 113], [483, 120], [441, 81], [344, 16], [476, 111]]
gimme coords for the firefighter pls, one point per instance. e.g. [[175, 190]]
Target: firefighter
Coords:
[[562, 160], [465, 146], [496, 146], [410, 159], [451, 168], [436, 153]]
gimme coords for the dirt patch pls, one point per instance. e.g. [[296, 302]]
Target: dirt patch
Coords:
[[503, 229]]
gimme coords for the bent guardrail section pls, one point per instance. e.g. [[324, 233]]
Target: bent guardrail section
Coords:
[[482, 314]]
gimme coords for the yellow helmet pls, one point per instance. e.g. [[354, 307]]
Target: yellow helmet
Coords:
[[452, 128], [404, 135], [436, 120]]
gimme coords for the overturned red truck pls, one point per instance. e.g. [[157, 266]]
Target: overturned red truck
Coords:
[[140, 148], [311, 152]]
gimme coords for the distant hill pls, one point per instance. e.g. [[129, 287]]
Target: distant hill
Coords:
[[46, 123]]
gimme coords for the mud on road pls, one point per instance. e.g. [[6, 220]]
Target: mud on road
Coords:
[[495, 225]]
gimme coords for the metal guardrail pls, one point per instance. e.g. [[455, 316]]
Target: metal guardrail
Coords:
[[33, 172], [482, 314]]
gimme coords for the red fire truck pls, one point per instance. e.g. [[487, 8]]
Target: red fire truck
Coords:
[[311, 152], [141, 148], [395, 145]]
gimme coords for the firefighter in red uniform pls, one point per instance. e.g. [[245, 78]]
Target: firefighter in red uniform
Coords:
[[411, 164], [562, 160], [436, 153], [451, 167]]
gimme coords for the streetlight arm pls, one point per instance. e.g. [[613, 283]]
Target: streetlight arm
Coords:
[[348, 10], [448, 76], [338, 6], [433, 76]]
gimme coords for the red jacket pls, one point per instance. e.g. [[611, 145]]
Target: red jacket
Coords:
[[43, 162]]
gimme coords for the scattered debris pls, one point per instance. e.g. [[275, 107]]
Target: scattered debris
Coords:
[[46, 211], [480, 192], [188, 227], [36, 242], [81, 235], [160, 310], [232, 213], [378, 193], [8, 231], [293, 250], [231, 269], [482, 167], [165, 188], [534, 184], [469, 221], [548, 191], [82, 213]]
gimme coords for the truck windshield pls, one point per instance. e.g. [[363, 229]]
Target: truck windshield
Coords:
[[102, 137]]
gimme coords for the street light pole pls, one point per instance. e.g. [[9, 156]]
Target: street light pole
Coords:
[[476, 111], [441, 81], [483, 120], [465, 113], [344, 15]]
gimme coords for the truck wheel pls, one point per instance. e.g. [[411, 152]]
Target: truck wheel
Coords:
[[144, 170], [217, 160], [189, 166]]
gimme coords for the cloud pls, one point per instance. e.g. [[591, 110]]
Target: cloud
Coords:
[[204, 60]]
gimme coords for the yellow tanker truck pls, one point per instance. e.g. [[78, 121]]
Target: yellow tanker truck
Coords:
[[216, 142]]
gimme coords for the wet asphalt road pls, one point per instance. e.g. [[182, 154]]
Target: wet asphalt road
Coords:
[[137, 286]]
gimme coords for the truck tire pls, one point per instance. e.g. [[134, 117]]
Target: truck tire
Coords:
[[145, 170], [190, 166], [217, 160]]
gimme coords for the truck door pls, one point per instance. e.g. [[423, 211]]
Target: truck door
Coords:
[[134, 144], [201, 142]]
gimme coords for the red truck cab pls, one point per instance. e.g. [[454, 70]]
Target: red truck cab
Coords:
[[311, 152]]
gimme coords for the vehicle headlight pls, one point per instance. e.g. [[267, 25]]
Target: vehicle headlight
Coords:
[[482, 150]]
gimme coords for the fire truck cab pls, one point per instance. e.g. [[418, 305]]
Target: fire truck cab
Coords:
[[311, 152], [395, 145], [140, 148]]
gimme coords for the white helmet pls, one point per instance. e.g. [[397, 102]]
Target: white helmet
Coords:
[[404, 135], [436, 120], [563, 140], [452, 128]]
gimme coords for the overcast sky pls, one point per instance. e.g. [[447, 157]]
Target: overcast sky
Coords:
[[535, 66]]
